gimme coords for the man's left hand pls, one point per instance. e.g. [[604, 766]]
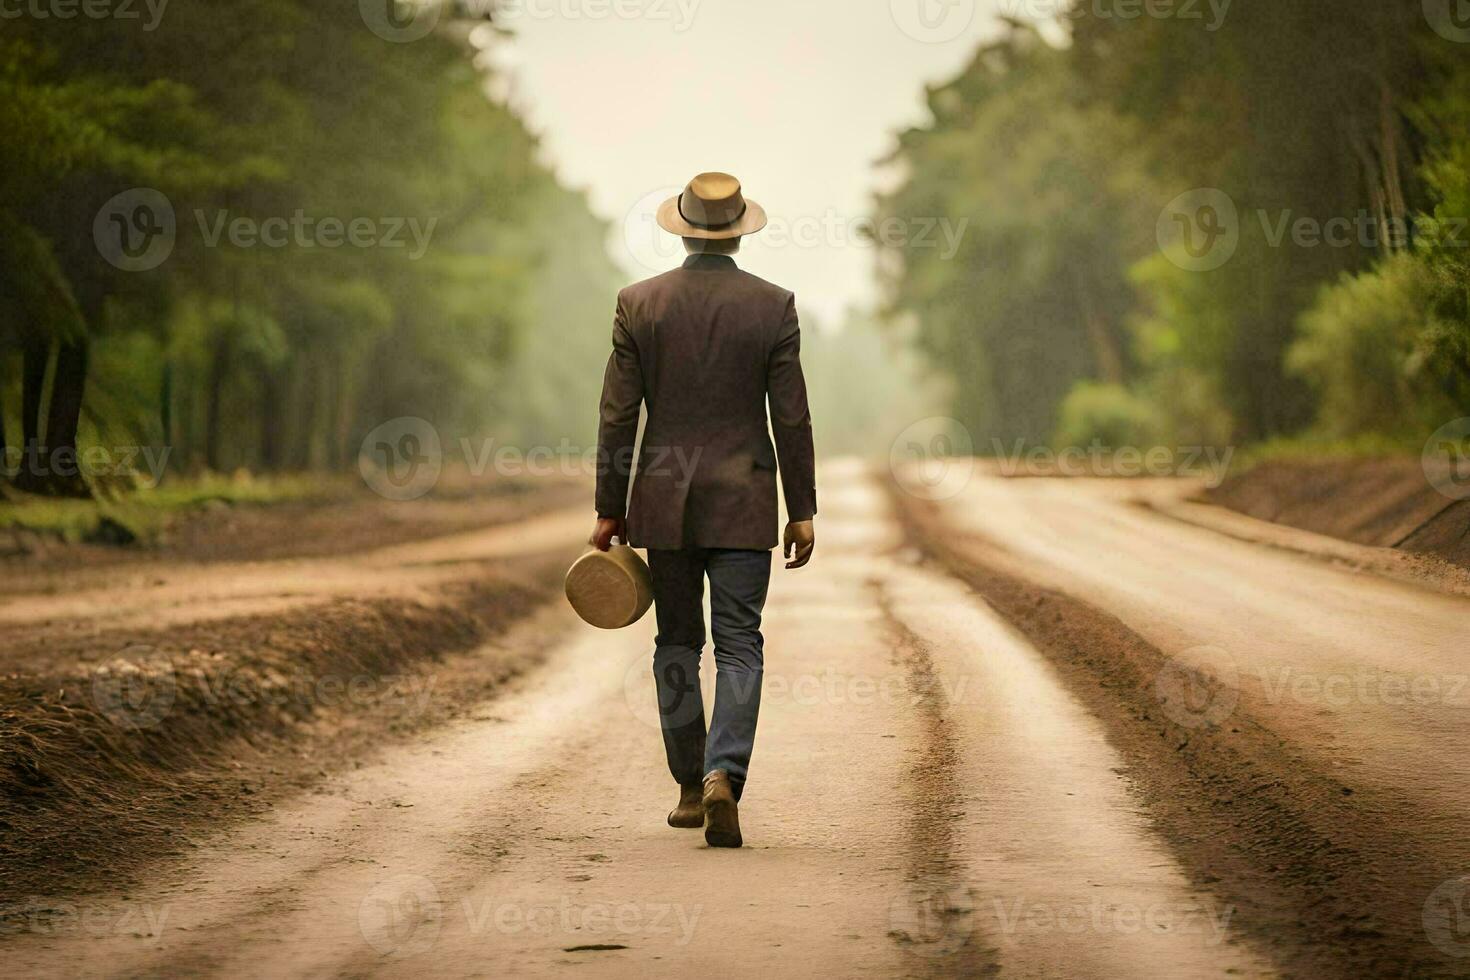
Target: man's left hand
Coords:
[[799, 542]]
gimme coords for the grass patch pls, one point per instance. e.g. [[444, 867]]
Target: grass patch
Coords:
[[141, 515], [81, 520], [1306, 447]]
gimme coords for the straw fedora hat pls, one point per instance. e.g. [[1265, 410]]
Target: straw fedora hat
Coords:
[[712, 207], [610, 589]]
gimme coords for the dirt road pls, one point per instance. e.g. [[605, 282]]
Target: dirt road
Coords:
[[1294, 724], [927, 801]]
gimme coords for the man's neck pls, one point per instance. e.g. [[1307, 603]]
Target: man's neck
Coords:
[[709, 260]]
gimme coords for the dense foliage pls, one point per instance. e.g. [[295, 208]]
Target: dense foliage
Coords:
[[360, 233], [1338, 131]]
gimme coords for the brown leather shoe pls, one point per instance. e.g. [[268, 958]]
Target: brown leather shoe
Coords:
[[722, 816], [689, 814]]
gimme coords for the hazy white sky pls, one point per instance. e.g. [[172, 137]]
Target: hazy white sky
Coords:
[[798, 98]]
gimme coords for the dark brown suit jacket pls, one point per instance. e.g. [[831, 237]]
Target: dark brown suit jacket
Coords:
[[705, 346]]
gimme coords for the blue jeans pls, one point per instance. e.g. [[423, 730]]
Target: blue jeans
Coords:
[[737, 590]]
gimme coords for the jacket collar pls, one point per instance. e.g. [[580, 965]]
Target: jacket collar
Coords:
[[709, 262]]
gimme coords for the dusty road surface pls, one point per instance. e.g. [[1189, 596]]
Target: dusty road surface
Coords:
[[1296, 725], [927, 799], [175, 593]]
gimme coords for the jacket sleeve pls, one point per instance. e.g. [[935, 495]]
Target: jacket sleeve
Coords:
[[791, 419], [617, 431]]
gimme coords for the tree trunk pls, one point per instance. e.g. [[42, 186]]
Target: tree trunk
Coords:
[[345, 418], [1106, 356], [213, 396], [4, 454], [166, 403], [31, 475], [306, 421], [68, 386], [166, 412], [332, 404], [272, 420]]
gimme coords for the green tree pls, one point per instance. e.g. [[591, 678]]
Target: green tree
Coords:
[[273, 357]]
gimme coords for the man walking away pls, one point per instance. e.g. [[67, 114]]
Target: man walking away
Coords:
[[706, 347]]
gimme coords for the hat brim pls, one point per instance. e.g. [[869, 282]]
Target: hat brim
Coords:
[[610, 589], [671, 221]]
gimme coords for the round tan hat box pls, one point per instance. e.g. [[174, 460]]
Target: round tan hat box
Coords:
[[610, 589]]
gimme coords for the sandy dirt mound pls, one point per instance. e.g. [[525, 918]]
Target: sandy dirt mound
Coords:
[[1383, 502], [149, 691], [109, 762]]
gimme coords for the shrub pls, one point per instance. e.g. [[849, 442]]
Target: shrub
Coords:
[[1363, 346], [1109, 414]]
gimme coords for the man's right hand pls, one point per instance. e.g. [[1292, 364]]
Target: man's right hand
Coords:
[[801, 538], [605, 530]]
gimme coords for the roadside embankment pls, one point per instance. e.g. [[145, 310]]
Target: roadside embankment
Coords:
[[1388, 502], [144, 700]]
